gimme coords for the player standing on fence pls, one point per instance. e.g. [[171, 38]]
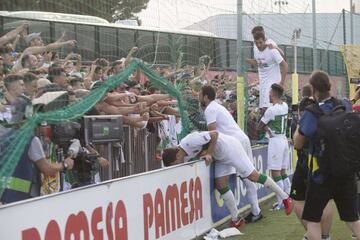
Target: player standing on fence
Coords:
[[271, 66]]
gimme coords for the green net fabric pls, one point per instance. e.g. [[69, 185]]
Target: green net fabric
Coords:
[[13, 145]]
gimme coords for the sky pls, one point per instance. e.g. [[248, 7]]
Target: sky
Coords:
[[182, 13]]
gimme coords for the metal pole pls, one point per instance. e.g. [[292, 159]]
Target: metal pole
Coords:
[[344, 26], [295, 55], [240, 89], [239, 43], [351, 22], [295, 76], [146, 151], [110, 159], [315, 66], [131, 151]]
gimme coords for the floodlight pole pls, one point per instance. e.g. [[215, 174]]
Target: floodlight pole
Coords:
[[315, 66], [351, 22], [239, 43], [295, 76], [241, 80]]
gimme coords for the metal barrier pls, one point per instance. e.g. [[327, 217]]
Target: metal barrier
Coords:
[[135, 154]]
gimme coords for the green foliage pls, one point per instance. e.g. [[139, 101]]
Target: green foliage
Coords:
[[176, 50], [107, 9], [125, 9]]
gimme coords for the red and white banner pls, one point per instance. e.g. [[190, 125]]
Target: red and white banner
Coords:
[[179, 202], [172, 203]]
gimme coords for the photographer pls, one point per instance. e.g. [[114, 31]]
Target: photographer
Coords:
[[25, 183]]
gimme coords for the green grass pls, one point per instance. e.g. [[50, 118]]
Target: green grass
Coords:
[[277, 226]]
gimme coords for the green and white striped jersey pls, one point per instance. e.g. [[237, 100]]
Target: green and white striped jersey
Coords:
[[276, 118]]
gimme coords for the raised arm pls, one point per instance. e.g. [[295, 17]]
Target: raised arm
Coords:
[[48, 48], [8, 37], [129, 56]]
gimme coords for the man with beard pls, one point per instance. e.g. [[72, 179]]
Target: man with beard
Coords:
[[218, 118]]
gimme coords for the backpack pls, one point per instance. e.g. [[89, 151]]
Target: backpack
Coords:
[[339, 136]]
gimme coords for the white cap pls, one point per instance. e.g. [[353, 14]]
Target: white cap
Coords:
[[31, 37]]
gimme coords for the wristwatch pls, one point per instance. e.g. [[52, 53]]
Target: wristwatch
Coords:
[[65, 165]]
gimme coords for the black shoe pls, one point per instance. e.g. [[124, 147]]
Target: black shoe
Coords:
[[251, 218]]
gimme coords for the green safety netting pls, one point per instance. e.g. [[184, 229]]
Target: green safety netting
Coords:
[[12, 146]]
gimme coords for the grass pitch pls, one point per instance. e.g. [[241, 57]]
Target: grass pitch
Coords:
[[277, 226]]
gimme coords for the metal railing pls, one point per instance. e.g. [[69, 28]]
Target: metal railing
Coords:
[[135, 154]]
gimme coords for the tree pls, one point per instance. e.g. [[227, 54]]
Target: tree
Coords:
[[126, 9], [108, 9]]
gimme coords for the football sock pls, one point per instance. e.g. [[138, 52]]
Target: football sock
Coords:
[[269, 183], [280, 183], [287, 183], [230, 203], [252, 197]]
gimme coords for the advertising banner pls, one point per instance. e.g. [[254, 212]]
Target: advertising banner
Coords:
[[178, 202], [167, 204]]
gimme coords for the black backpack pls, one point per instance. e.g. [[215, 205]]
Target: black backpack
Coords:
[[339, 137]]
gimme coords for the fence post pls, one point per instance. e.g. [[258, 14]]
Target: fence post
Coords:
[[146, 151], [131, 148], [111, 161]]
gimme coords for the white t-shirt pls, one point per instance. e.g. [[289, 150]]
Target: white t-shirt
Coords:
[[267, 42], [275, 118], [268, 62], [36, 151], [225, 123], [193, 144]]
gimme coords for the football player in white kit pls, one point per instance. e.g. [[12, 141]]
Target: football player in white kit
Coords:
[[218, 118], [274, 122], [271, 66], [227, 152]]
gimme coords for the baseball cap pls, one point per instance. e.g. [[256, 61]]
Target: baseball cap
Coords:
[[32, 36], [43, 82]]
